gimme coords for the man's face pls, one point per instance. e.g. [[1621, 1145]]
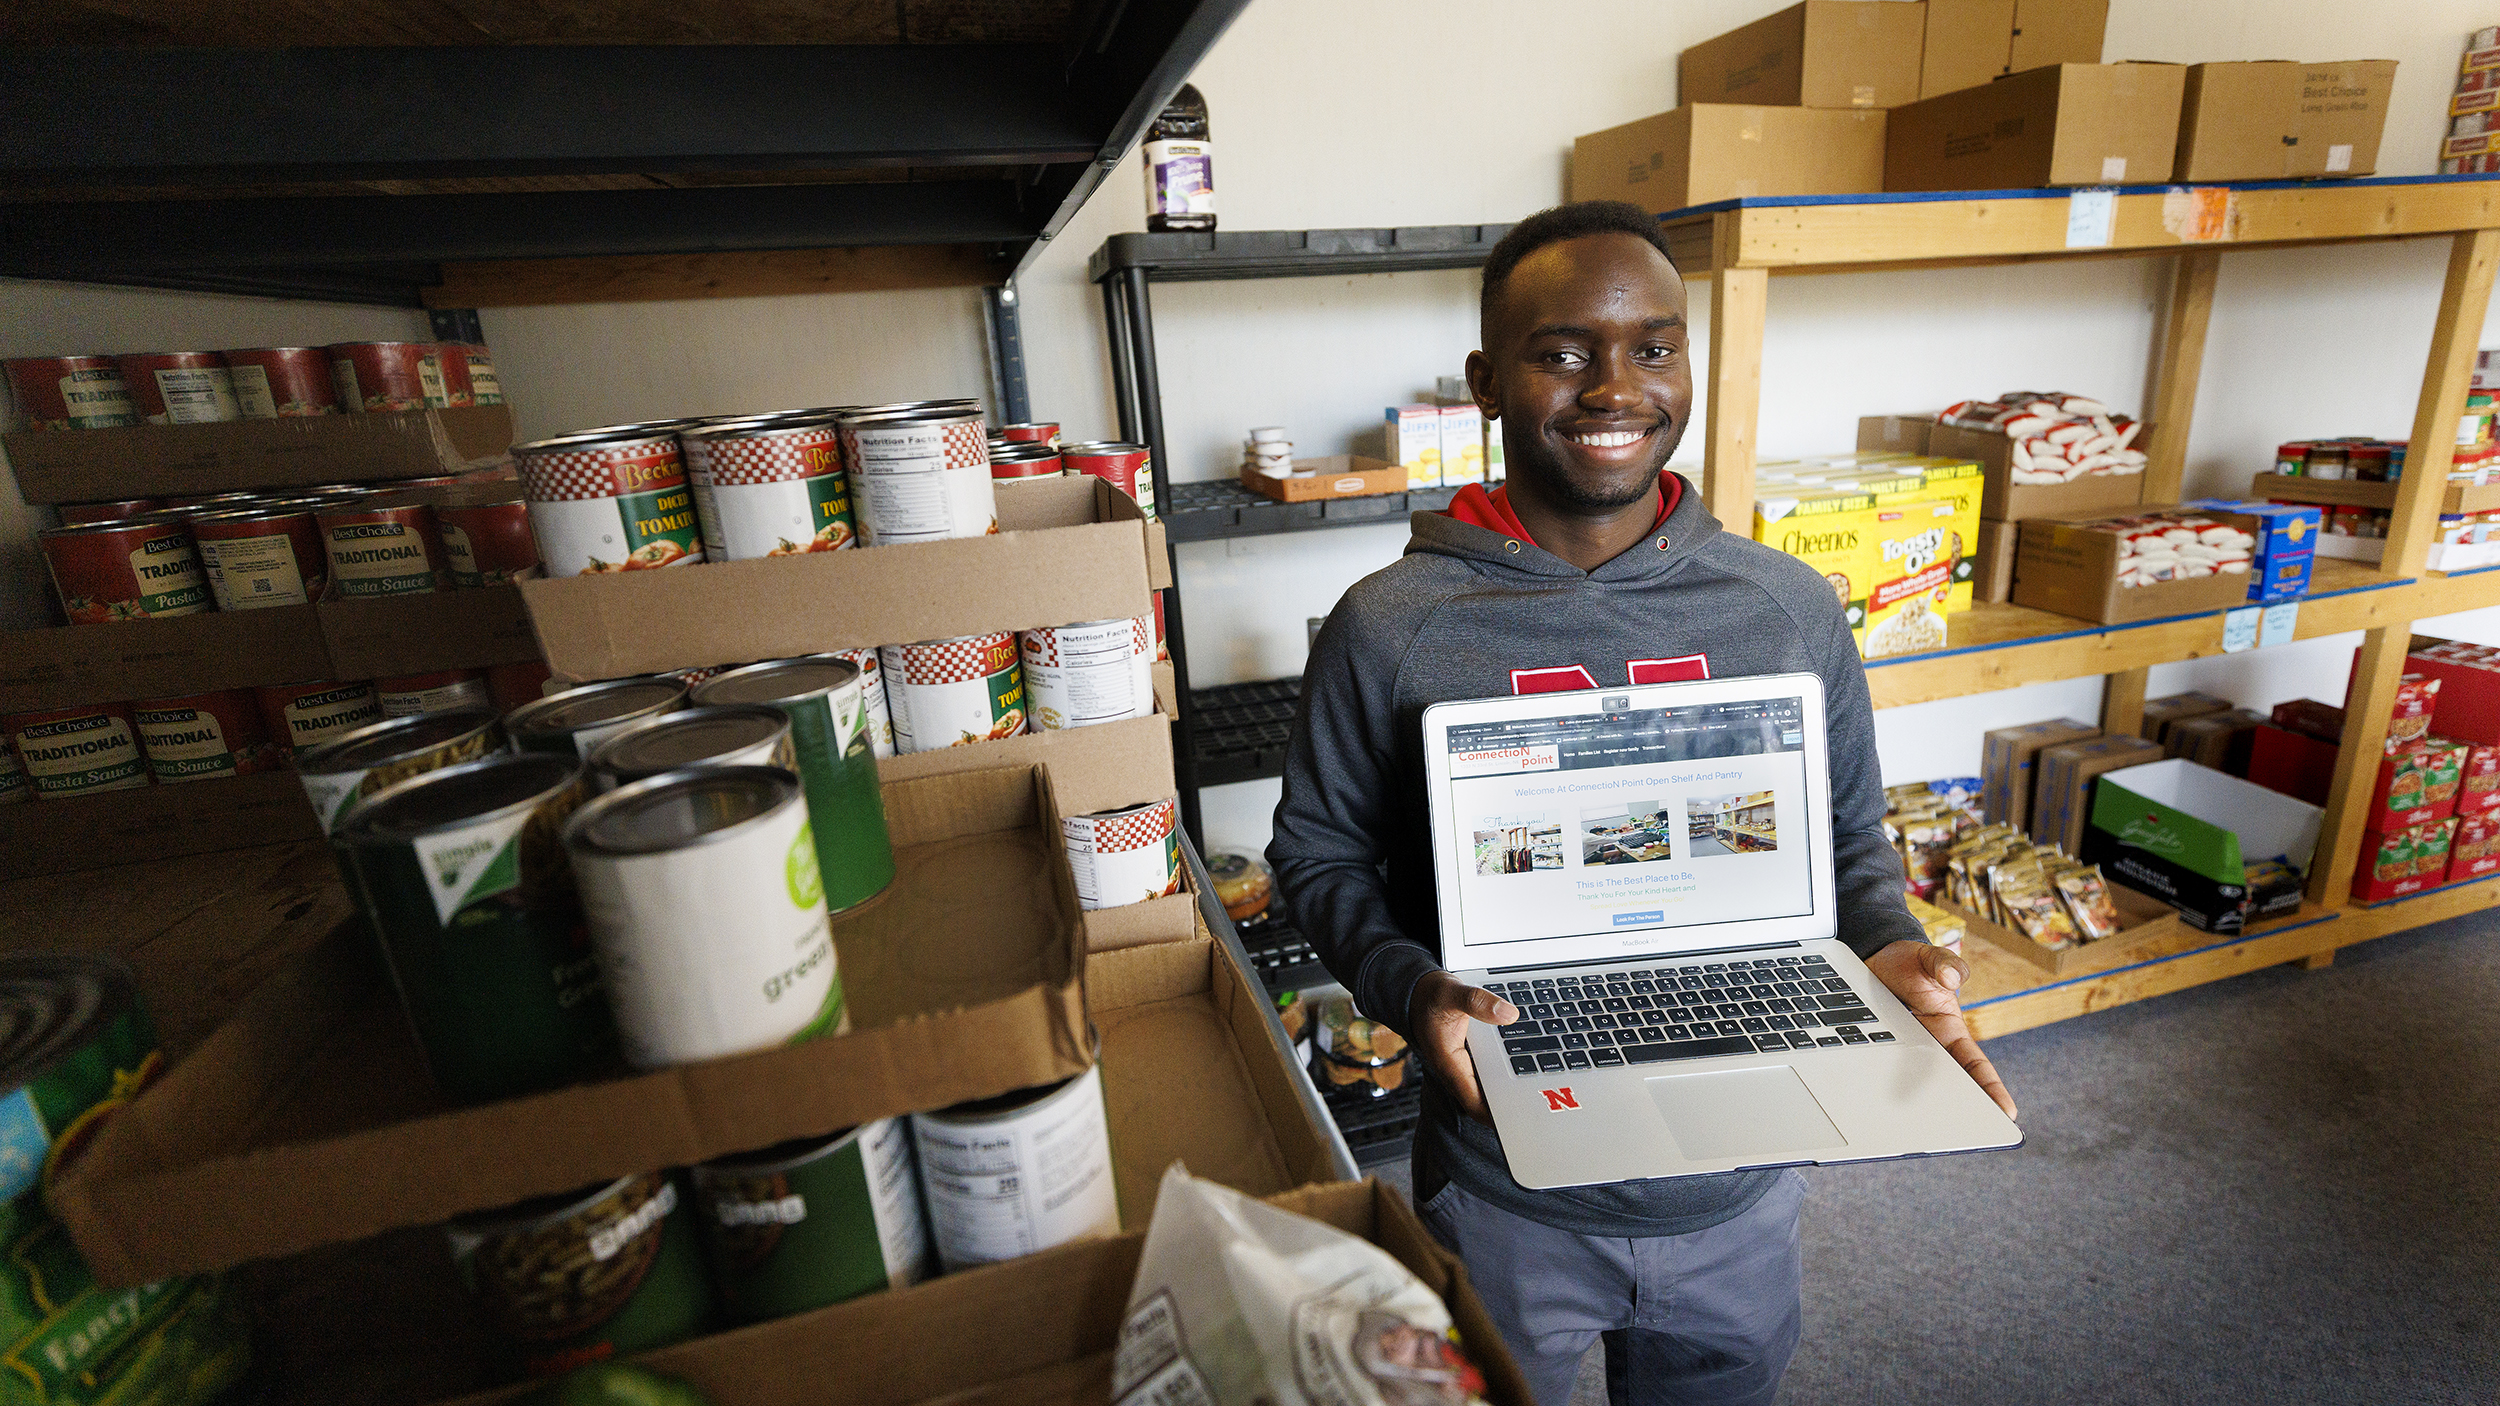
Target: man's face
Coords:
[[1585, 363]]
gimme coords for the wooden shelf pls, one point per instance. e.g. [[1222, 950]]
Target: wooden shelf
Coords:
[[2358, 493]]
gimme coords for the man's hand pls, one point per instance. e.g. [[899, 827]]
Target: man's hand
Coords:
[[1438, 1013], [1925, 978]]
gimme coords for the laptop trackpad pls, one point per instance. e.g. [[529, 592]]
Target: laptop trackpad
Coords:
[[1742, 1113]]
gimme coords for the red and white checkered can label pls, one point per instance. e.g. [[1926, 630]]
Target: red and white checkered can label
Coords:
[[1124, 856], [920, 479], [947, 693], [562, 474], [763, 455], [1098, 671]]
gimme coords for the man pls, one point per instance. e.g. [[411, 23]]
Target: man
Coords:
[[1590, 567]]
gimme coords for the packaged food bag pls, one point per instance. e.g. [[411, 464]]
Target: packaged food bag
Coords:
[[1237, 1302]]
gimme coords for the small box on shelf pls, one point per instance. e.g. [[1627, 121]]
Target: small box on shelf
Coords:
[[2070, 566], [1822, 53], [2264, 120], [1703, 152], [1329, 476], [2193, 837]]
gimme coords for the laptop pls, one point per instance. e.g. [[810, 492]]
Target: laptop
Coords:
[[1646, 873]]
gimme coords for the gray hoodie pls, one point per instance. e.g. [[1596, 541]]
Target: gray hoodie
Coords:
[[1454, 618]]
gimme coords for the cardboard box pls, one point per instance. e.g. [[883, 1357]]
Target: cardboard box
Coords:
[[2008, 501], [2067, 124], [965, 981], [2400, 863], [1462, 445], [1970, 42], [2143, 922], [2007, 759], [2064, 566], [2184, 833], [2469, 695], [2279, 121], [97, 831], [2475, 852], [1331, 476], [2416, 785], [1823, 53], [2061, 801], [1895, 434], [2287, 539], [1993, 578], [2217, 740], [1067, 549], [1414, 442], [1703, 152], [2293, 763], [83, 466], [2160, 713]]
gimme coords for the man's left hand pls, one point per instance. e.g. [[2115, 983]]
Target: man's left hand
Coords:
[[1926, 977]]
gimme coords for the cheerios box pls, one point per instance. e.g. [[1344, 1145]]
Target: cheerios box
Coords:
[[1826, 529]]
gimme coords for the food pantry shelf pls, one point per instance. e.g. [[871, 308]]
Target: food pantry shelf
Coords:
[[1218, 508], [2342, 492], [1238, 732]]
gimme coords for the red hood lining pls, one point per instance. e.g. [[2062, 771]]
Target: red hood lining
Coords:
[[1492, 511]]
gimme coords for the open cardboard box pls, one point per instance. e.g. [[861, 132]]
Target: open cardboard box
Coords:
[[81, 466], [1330, 476], [307, 1119], [2142, 921], [69, 833], [2184, 832], [1067, 549], [2066, 566], [2004, 500]]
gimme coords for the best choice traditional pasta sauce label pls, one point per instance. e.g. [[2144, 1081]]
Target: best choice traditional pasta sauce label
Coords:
[[170, 582], [378, 559], [254, 572], [93, 753], [98, 400], [184, 742], [315, 718]]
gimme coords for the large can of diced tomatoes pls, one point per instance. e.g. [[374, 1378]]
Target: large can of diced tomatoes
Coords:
[[437, 691], [277, 382], [946, 693], [203, 735], [77, 751], [487, 544], [381, 551], [179, 388], [769, 487], [375, 377], [307, 714], [609, 500], [260, 557], [1096, 671], [919, 473], [114, 571], [70, 393]]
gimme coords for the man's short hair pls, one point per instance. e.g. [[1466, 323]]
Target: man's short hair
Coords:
[[1584, 217]]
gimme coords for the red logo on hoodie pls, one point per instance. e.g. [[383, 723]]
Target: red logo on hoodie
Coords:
[[1563, 678]]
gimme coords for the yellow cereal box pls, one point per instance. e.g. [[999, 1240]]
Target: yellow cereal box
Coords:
[[1909, 547], [1823, 528]]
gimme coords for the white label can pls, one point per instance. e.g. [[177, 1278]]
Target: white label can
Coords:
[[608, 501], [1015, 1175], [771, 489], [707, 911], [920, 476], [947, 693], [1098, 671], [872, 692], [1123, 856]]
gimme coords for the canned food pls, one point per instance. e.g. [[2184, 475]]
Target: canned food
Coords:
[[70, 393], [946, 693], [13, 788], [411, 695], [919, 474], [374, 757], [1015, 462], [74, 513], [203, 735], [743, 736], [2367, 463], [872, 692], [1099, 671], [813, 1222], [259, 557], [484, 388], [1031, 432], [1124, 856], [826, 702], [381, 551], [189, 502], [1128, 467], [1019, 1173], [462, 874], [587, 1276], [2291, 459], [573, 722], [306, 714], [375, 377], [487, 544], [2324, 461], [708, 914], [179, 388], [511, 685], [769, 487], [278, 382], [109, 572], [454, 359], [74, 1047], [609, 500], [77, 751]]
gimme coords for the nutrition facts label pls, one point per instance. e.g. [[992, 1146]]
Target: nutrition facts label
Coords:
[[1027, 1181], [249, 573]]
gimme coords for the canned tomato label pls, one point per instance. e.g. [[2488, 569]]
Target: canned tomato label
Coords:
[[573, 723], [919, 475], [872, 692], [256, 559], [946, 693], [740, 736], [278, 382], [12, 781], [74, 1048], [1124, 856], [1099, 671], [484, 388], [1031, 432], [462, 872], [180, 388], [375, 377], [708, 914], [601, 502], [1014, 1175], [814, 1222], [1128, 467], [1015, 462], [453, 358], [379, 755], [77, 751], [114, 571], [589, 1276], [381, 551], [769, 488], [487, 544], [410, 695], [303, 715], [826, 703], [203, 735], [71, 393]]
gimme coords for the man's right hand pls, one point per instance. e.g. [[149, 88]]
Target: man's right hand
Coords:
[[1437, 1014]]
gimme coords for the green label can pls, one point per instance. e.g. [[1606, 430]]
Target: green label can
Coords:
[[745, 736], [372, 758], [830, 728], [588, 1276], [74, 1046], [813, 1222], [463, 874], [572, 723]]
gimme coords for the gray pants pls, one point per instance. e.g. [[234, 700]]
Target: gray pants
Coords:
[[1706, 1319]]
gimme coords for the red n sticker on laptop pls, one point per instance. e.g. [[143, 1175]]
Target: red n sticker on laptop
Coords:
[[1556, 1100]]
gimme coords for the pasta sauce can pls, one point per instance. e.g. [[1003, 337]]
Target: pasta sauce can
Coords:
[[71, 393], [77, 751], [813, 1222], [947, 693], [379, 377], [1097, 671], [1127, 467], [487, 544], [272, 383], [770, 487], [827, 706], [307, 714], [454, 359], [376, 552], [203, 735], [484, 387], [261, 557], [179, 388], [1018, 1174], [72, 514], [587, 1276], [919, 473], [380, 755], [412, 695], [609, 500], [1124, 856], [108, 572]]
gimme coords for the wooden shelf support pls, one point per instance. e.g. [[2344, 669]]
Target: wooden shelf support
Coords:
[[2180, 362], [1740, 303], [2414, 522]]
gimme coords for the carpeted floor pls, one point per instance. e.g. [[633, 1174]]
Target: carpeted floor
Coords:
[[2280, 1188]]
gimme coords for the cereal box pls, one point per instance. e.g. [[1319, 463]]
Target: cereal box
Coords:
[[2475, 851], [1462, 445], [2478, 781], [1415, 443], [1909, 551], [1826, 529]]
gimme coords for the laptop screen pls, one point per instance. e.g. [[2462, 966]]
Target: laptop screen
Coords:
[[1623, 816]]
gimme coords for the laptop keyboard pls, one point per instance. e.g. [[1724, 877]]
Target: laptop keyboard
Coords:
[[1649, 1015]]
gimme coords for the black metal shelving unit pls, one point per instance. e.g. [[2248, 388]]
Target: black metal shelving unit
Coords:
[[1377, 1128], [1127, 266]]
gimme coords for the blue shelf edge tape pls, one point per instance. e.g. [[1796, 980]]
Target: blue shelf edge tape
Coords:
[[2111, 629], [1923, 197]]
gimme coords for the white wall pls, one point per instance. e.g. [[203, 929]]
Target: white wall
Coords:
[[1461, 112]]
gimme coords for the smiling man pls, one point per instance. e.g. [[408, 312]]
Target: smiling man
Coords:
[[1591, 567]]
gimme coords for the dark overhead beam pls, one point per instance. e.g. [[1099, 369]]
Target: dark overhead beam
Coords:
[[85, 115], [374, 289]]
